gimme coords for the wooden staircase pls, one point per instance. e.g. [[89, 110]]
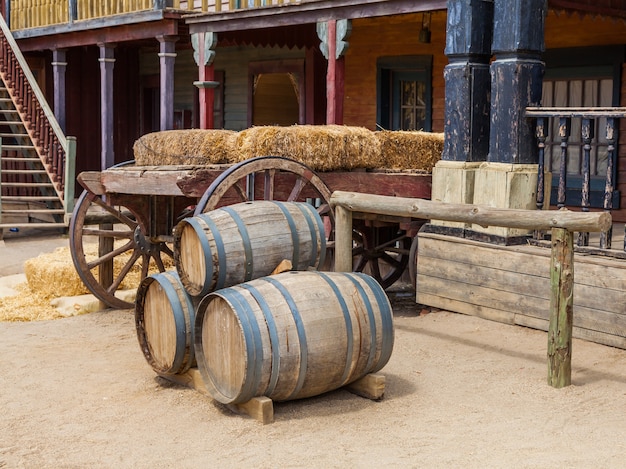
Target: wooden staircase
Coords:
[[36, 158]]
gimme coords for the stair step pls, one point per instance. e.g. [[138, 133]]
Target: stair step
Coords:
[[14, 159], [11, 123], [18, 147], [51, 211], [32, 225], [24, 171], [29, 198], [12, 135], [8, 111], [27, 184]]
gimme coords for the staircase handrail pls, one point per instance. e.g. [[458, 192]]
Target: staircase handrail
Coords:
[[63, 182]]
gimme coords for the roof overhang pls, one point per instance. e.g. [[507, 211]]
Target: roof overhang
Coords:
[[306, 12]]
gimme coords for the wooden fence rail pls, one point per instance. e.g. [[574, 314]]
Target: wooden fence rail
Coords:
[[563, 223]]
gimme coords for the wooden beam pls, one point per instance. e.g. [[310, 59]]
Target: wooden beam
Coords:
[[72, 36], [306, 12], [465, 213]]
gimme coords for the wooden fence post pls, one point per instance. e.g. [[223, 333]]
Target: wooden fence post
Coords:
[[561, 309], [343, 239]]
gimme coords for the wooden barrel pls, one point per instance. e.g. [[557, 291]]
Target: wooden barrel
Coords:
[[241, 242], [292, 335], [164, 317]]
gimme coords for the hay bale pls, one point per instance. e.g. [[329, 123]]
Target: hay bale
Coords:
[[52, 274], [184, 147], [321, 147], [415, 150], [51, 278]]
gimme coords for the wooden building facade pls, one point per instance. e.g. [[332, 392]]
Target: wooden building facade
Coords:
[[269, 69]]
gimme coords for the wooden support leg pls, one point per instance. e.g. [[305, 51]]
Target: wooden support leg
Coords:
[[371, 386], [561, 309], [259, 408]]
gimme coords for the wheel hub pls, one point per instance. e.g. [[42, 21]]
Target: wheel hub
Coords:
[[145, 245]]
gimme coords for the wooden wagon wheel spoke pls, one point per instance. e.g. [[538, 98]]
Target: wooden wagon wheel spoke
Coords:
[[110, 255], [117, 213], [382, 252], [394, 262], [124, 272], [297, 189], [159, 262], [96, 223], [268, 184], [241, 191], [107, 233]]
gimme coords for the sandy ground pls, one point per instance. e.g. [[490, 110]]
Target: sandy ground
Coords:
[[461, 392]]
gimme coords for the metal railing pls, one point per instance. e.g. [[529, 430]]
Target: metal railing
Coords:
[[598, 130]]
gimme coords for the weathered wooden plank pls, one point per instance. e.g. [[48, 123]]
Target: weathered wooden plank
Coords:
[[594, 271], [480, 215], [472, 276], [490, 306], [463, 307], [578, 332], [507, 278]]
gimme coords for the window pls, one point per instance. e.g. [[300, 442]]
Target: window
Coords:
[[404, 93]]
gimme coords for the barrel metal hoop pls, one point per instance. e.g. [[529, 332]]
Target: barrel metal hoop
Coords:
[[371, 318], [252, 338], [309, 212], [386, 316], [245, 239], [221, 255], [349, 330], [295, 238], [304, 358], [179, 320], [206, 249], [273, 333]]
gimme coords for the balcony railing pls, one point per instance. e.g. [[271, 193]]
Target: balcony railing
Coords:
[[597, 128], [42, 13]]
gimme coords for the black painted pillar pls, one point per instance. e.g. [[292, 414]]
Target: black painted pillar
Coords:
[[467, 80], [516, 79]]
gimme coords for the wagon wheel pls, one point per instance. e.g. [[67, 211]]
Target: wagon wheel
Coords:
[[108, 242], [260, 178], [382, 252]]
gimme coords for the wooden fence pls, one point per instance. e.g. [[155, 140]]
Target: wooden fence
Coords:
[[563, 223]]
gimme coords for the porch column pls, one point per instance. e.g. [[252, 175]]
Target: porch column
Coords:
[[107, 61], [167, 56], [59, 66], [509, 177], [333, 35], [203, 53], [467, 102]]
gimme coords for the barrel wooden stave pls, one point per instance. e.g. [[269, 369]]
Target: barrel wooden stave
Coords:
[[234, 244], [164, 319], [292, 335]]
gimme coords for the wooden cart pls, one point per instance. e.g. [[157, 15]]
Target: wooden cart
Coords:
[[127, 213]]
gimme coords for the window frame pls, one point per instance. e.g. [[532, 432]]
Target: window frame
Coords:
[[419, 66]]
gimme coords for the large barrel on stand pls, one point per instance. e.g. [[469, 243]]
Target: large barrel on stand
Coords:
[[241, 242], [164, 318], [292, 335]]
